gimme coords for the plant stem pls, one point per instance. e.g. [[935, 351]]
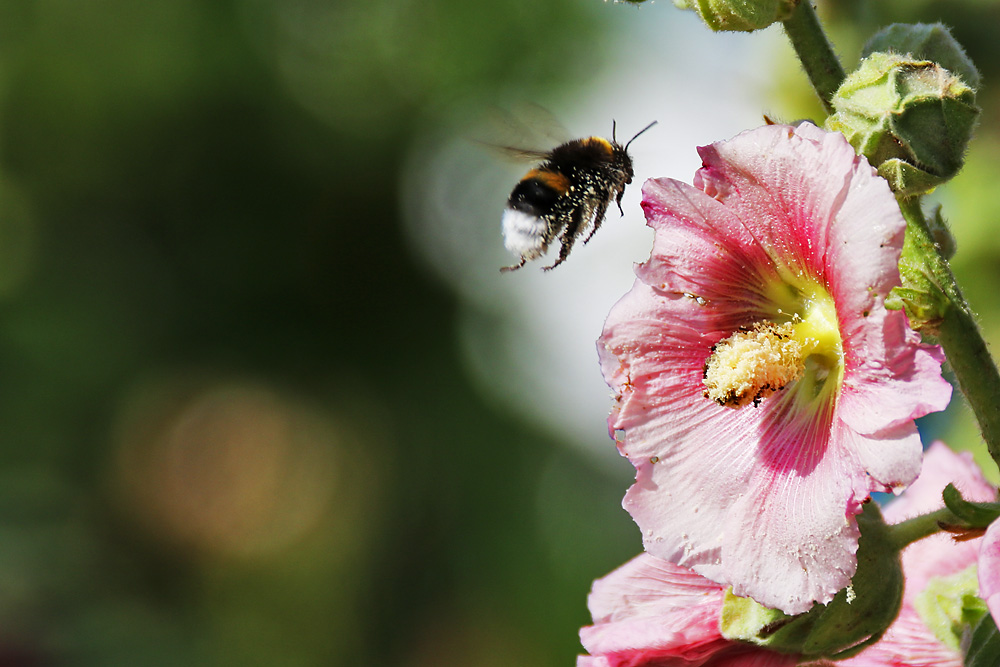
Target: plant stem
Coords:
[[919, 527], [958, 332], [976, 372], [814, 51]]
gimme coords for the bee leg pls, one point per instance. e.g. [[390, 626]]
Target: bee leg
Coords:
[[598, 218], [514, 267], [563, 254], [566, 239]]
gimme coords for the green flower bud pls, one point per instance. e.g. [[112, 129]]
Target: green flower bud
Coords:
[[856, 617], [950, 606], [911, 118], [925, 41], [740, 15]]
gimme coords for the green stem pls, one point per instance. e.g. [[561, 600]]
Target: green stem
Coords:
[[919, 527], [814, 51], [957, 330], [976, 372]]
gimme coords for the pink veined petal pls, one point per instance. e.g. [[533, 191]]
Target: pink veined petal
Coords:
[[652, 606], [648, 586], [989, 569], [907, 643], [773, 203], [809, 199], [749, 657], [652, 613], [891, 458], [706, 253], [894, 378]]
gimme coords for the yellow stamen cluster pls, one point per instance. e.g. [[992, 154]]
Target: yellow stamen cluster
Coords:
[[752, 364]]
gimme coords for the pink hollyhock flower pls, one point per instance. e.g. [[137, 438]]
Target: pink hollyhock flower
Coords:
[[909, 642], [763, 388], [652, 613]]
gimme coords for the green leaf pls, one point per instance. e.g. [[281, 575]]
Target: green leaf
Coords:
[[984, 647], [976, 515]]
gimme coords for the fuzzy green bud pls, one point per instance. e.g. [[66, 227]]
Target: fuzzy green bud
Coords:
[[855, 618], [911, 118], [925, 41], [950, 607], [740, 15]]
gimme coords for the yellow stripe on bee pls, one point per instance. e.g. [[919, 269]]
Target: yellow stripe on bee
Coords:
[[602, 142], [552, 179]]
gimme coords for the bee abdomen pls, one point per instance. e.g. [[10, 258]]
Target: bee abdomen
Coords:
[[527, 218]]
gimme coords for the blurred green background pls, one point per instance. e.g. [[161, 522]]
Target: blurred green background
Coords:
[[248, 414]]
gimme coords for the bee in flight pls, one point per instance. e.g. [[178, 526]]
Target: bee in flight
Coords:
[[566, 196]]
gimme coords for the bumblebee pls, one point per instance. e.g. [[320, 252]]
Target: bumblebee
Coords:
[[566, 196]]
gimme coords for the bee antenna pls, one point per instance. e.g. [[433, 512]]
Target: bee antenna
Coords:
[[613, 128], [638, 133]]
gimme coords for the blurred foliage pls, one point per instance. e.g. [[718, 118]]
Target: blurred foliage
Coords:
[[233, 424]]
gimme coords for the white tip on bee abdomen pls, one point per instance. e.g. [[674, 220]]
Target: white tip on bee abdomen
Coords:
[[524, 234]]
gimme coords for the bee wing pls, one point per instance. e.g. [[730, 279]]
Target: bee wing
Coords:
[[516, 154], [526, 133], [536, 126]]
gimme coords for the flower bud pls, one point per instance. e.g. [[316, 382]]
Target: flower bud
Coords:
[[855, 618], [911, 118], [739, 15], [925, 41], [950, 606]]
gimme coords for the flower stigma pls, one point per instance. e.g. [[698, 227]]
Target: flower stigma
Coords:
[[800, 342]]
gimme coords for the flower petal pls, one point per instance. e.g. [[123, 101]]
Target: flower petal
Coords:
[[811, 201], [654, 607], [894, 378], [989, 569], [652, 613]]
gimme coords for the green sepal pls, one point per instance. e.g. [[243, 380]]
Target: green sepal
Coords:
[[906, 179], [941, 233], [920, 296], [925, 41], [856, 617], [973, 514], [984, 644]]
